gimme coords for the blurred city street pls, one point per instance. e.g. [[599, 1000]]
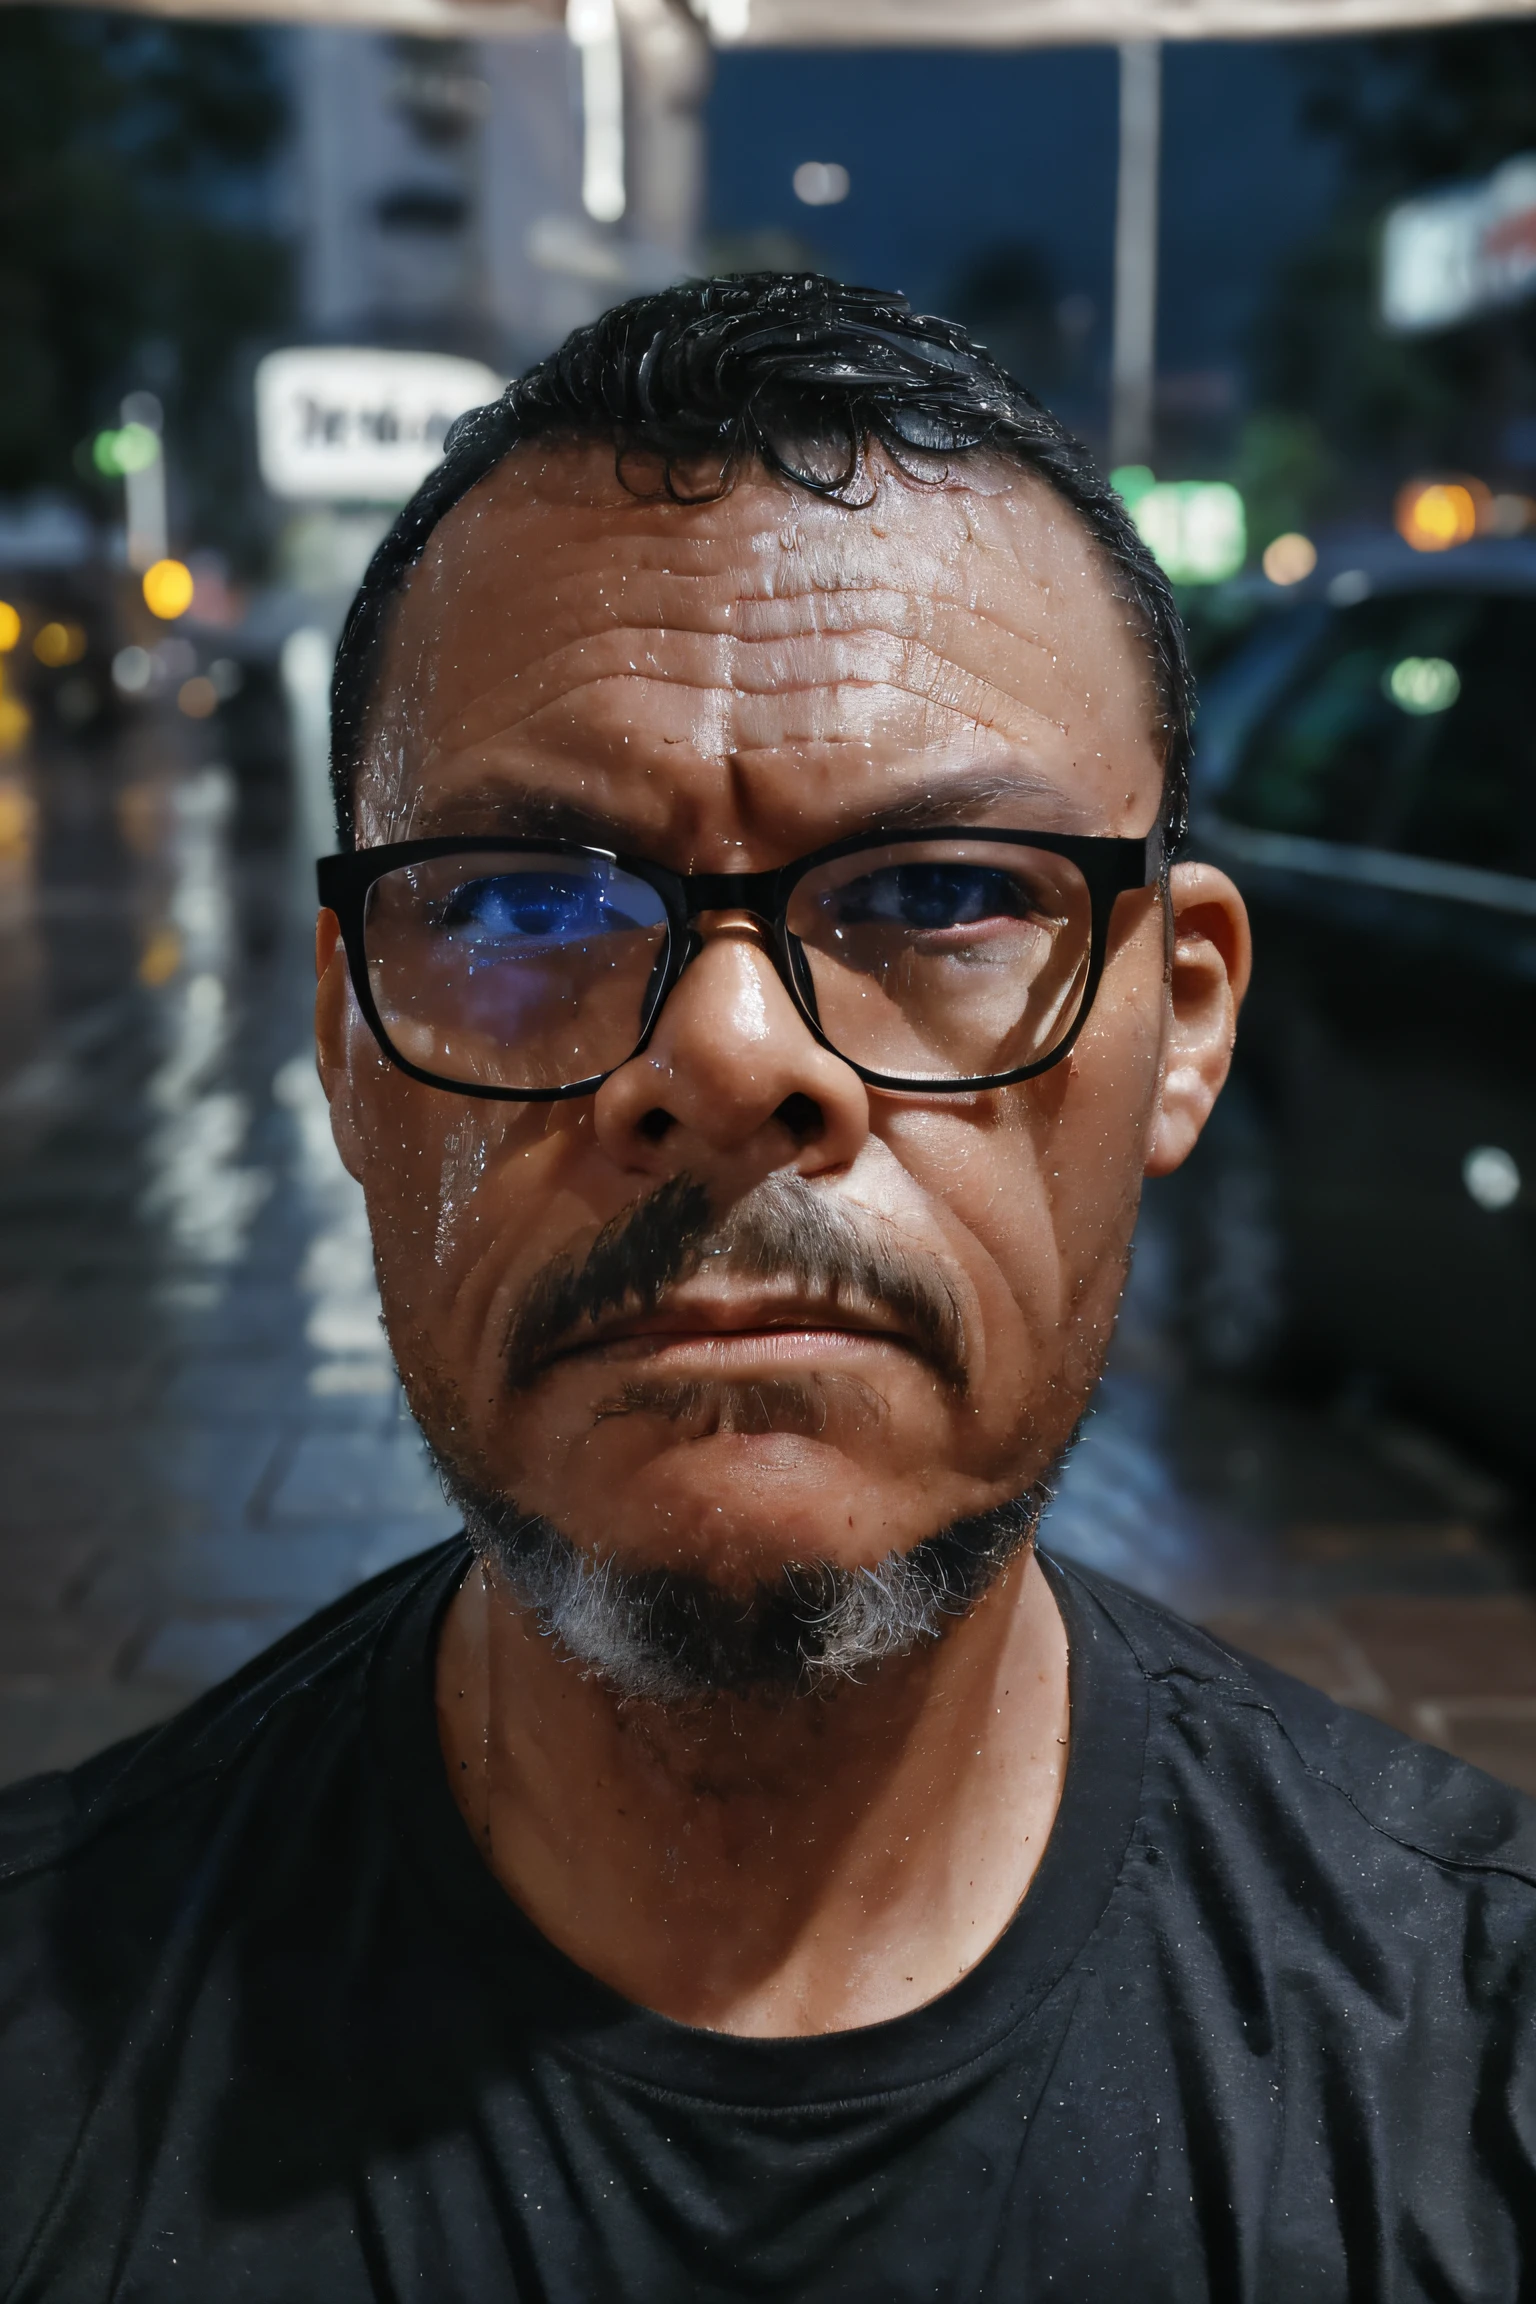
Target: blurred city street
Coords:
[[1046, 491], [202, 1432], [201, 1429]]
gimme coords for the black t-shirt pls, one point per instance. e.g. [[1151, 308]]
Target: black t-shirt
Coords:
[[1261, 2029]]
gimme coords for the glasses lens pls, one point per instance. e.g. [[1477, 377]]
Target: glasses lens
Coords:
[[946, 959], [513, 971]]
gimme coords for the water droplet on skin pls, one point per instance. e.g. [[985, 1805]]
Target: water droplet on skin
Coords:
[[465, 1149]]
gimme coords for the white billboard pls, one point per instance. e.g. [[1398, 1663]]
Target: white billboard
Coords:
[[342, 425], [1453, 254]]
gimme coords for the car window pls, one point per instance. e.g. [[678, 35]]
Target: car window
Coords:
[[1238, 696], [1408, 725]]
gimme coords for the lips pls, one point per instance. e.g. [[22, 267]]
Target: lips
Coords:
[[785, 1265], [754, 1321]]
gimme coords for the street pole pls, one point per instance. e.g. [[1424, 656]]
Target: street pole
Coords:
[[593, 26], [667, 57], [144, 505], [1134, 363]]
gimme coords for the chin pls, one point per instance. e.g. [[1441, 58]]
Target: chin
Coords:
[[779, 1628], [738, 1508], [736, 1544], [743, 1478]]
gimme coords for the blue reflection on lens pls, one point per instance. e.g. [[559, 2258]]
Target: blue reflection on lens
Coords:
[[931, 896], [515, 915]]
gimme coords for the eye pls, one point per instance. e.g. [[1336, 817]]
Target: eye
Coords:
[[543, 907], [934, 896]]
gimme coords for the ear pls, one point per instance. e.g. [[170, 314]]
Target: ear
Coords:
[[336, 1026], [1212, 958]]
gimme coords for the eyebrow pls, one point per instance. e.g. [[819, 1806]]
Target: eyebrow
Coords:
[[536, 813], [521, 812], [962, 797]]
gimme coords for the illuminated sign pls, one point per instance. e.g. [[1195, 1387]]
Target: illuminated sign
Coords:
[[1196, 530], [342, 426], [1451, 255]]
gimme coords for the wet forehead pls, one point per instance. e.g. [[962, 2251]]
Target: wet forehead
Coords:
[[761, 672]]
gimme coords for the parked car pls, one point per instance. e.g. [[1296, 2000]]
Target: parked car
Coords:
[[1366, 771]]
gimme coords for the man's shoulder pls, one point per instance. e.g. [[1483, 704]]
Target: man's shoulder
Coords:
[[1234, 1715], [309, 1685]]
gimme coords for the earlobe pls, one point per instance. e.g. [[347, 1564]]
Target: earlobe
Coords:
[[334, 1010], [1212, 957]]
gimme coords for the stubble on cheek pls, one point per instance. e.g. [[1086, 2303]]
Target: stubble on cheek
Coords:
[[433, 1392], [1053, 1200], [422, 1197], [451, 1187]]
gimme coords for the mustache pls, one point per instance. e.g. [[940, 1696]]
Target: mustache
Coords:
[[771, 1404], [782, 1230]]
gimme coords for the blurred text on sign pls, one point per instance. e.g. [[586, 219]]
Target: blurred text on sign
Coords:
[[338, 424], [1453, 254]]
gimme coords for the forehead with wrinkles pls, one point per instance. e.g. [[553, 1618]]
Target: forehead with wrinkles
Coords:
[[711, 672]]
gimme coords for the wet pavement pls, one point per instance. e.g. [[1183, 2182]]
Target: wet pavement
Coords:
[[201, 1434], [201, 1431]]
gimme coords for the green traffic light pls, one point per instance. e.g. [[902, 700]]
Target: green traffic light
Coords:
[[133, 448], [137, 448]]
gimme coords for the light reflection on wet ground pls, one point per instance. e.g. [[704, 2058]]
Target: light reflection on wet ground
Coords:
[[201, 1429]]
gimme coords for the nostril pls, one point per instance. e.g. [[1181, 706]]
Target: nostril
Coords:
[[655, 1124], [802, 1116]]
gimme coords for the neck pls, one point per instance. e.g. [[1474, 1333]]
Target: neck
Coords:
[[765, 1867]]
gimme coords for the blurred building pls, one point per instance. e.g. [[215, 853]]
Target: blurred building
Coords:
[[479, 196], [445, 186]]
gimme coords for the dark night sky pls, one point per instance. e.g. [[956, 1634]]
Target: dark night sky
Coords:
[[952, 151]]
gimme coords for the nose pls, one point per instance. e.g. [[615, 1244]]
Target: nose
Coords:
[[732, 1076]]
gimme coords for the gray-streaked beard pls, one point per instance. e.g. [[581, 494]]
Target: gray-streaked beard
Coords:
[[672, 1637]]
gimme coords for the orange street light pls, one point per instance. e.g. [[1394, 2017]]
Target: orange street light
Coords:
[[168, 589], [1434, 515]]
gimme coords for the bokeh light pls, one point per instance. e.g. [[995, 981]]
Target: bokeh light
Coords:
[[55, 644], [15, 723], [137, 448], [168, 589], [1422, 685], [1434, 515], [160, 958], [198, 697], [821, 183], [1510, 515], [18, 820], [132, 448], [132, 670], [1196, 530], [10, 627], [1491, 1176], [1290, 559]]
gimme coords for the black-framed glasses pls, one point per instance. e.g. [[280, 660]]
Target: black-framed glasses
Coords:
[[935, 962]]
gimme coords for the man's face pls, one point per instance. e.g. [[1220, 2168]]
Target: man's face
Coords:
[[723, 688]]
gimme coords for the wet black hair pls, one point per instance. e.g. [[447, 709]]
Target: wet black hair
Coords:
[[795, 372]]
